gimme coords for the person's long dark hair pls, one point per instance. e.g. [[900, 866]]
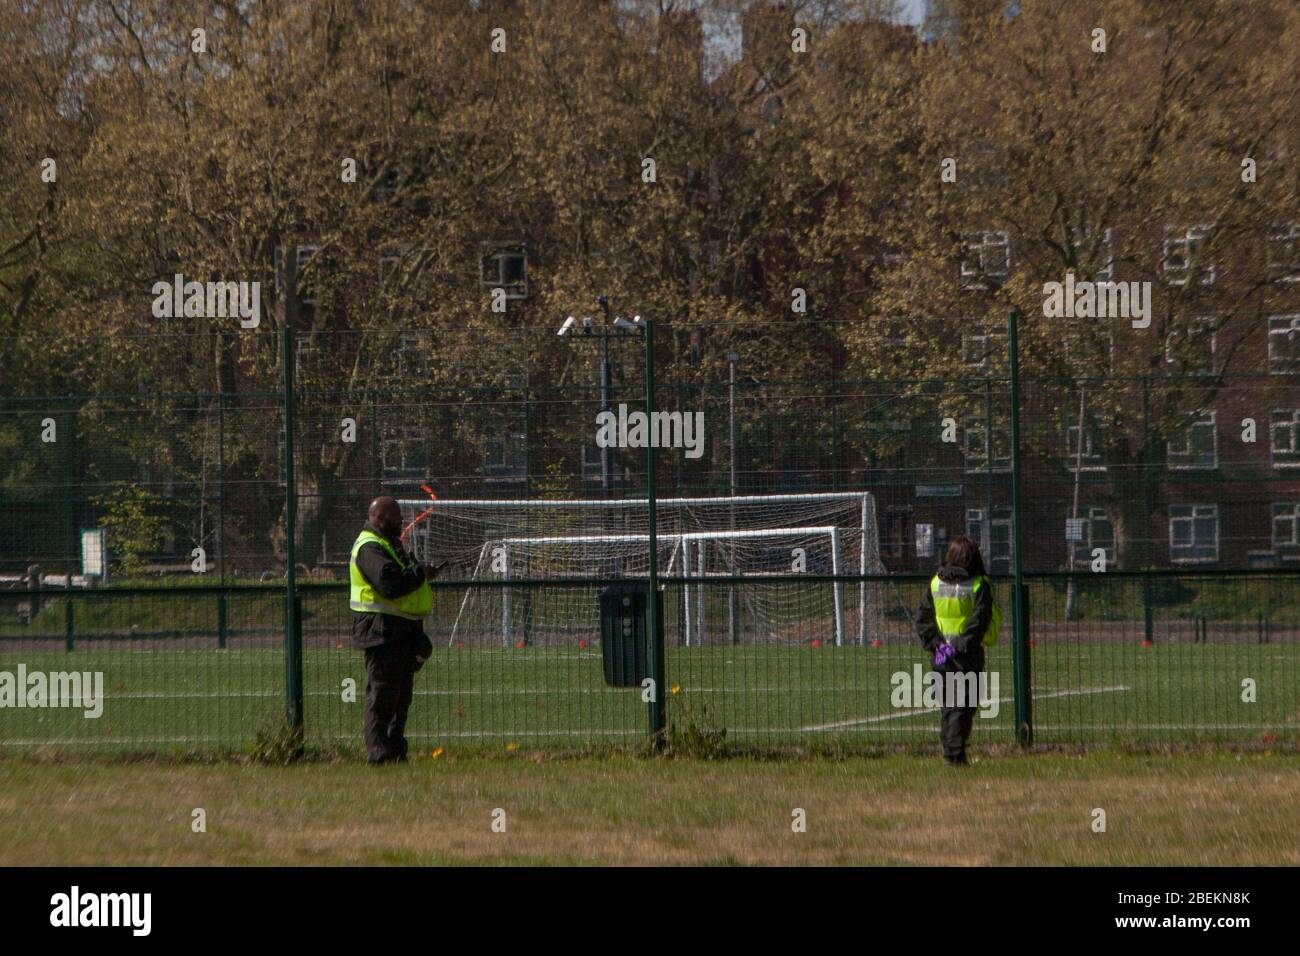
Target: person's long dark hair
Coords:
[[964, 553]]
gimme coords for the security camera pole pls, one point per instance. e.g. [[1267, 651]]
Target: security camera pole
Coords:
[[654, 630]]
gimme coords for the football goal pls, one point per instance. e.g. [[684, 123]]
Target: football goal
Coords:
[[507, 549]]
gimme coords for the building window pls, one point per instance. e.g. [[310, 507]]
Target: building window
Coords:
[[505, 266], [1088, 458], [506, 456], [1284, 437], [1089, 352], [1105, 257], [994, 536], [1284, 252], [985, 259], [307, 284], [412, 358], [590, 459], [1286, 528], [1091, 530], [305, 351], [984, 350], [1190, 350], [1284, 344], [979, 446], [1184, 255], [1194, 533], [1198, 444], [404, 451]]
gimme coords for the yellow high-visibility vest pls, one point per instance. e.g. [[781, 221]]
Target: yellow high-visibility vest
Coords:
[[954, 606], [365, 600]]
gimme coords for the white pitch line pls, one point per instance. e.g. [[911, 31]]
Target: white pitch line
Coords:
[[916, 711]]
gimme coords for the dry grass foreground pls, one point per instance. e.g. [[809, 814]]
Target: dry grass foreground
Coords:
[[1224, 809]]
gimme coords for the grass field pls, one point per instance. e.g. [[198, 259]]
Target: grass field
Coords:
[[485, 698], [1191, 809]]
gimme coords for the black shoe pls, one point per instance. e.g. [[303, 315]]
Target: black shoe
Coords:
[[958, 761]]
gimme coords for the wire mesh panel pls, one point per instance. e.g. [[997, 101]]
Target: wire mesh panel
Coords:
[[168, 669], [1165, 658], [474, 693]]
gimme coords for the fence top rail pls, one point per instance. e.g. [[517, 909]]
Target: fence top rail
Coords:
[[628, 502]]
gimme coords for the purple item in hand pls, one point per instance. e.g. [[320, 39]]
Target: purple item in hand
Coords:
[[943, 653]]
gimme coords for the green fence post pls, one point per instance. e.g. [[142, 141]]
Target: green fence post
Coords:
[[69, 626], [1148, 612], [292, 605], [658, 721], [1020, 642], [293, 672], [221, 622]]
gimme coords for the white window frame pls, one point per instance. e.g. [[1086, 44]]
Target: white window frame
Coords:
[[1107, 272], [1092, 460], [1288, 326], [1190, 239], [1082, 550], [978, 244], [992, 347], [396, 442], [1072, 342], [1291, 425], [497, 253], [1180, 514], [305, 255], [1284, 268], [589, 462], [1287, 511], [412, 344], [980, 526], [498, 462], [988, 447], [1205, 418], [1201, 325], [302, 348]]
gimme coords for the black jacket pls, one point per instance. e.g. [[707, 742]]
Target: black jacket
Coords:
[[390, 581], [969, 643]]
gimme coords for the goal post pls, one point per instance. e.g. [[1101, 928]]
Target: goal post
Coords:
[[533, 540]]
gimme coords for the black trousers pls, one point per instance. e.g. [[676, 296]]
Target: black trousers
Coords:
[[954, 730], [956, 722], [390, 682]]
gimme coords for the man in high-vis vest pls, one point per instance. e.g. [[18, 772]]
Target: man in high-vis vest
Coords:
[[390, 599], [953, 622]]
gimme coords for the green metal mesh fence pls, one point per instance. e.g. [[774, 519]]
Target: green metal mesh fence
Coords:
[[1159, 516]]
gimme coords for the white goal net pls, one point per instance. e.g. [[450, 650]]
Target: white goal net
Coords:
[[506, 551]]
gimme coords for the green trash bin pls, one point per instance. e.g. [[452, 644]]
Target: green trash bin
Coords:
[[624, 639]]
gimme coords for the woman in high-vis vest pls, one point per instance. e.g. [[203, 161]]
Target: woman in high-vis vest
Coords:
[[955, 620]]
